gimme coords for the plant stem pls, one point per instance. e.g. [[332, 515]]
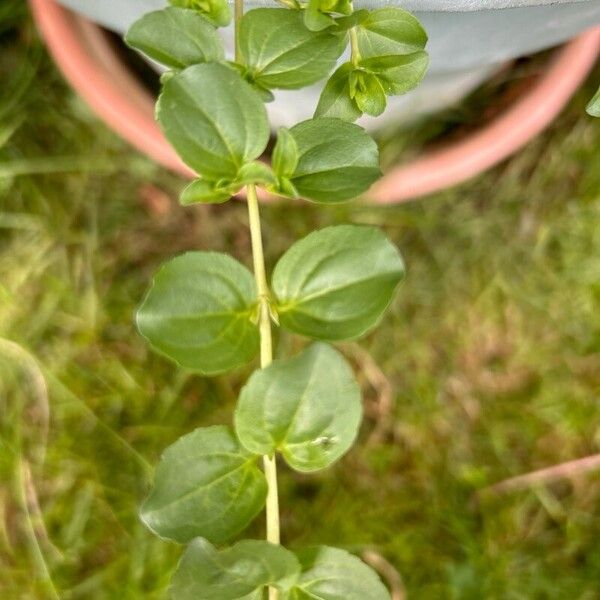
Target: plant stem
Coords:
[[266, 358], [238, 13], [354, 51]]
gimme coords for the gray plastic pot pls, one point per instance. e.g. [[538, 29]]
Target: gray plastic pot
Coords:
[[468, 40]]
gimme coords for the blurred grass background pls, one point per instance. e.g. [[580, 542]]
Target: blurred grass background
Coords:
[[487, 366]]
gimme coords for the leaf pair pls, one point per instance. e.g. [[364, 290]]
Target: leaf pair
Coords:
[[243, 571], [390, 60], [275, 47], [208, 483], [218, 125], [332, 285]]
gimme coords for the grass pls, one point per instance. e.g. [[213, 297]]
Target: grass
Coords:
[[490, 358]]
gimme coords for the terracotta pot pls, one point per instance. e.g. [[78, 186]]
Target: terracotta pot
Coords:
[[90, 63]]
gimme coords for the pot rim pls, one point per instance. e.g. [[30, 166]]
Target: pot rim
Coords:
[[88, 61]]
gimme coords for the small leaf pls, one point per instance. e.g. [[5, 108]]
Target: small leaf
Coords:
[[280, 52], [256, 172], [205, 573], [307, 407], [214, 119], [198, 312], [593, 107], [203, 191], [333, 574], [336, 160], [315, 20], [368, 93], [217, 11], [207, 486], [285, 154], [389, 31], [398, 74], [336, 283], [176, 37], [335, 100]]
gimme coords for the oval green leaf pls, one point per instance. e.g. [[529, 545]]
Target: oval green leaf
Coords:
[[199, 312], [336, 161], [206, 485], [388, 31], [214, 119], [279, 51], [333, 574], [398, 74], [336, 283], [204, 573], [176, 37], [307, 407]]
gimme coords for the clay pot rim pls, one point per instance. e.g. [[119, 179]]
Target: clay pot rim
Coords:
[[91, 65]]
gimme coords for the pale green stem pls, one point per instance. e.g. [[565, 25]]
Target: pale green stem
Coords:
[[354, 51], [266, 358], [238, 13]]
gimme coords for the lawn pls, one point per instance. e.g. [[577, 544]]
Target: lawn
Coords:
[[487, 366]]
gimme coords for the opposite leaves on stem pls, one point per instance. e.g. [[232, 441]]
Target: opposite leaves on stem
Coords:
[[388, 59], [307, 407], [336, 283]]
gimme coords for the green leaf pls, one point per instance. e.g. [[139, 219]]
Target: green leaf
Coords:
[[336, 283], [335, 100], [217, 11], [367, 92], [593, 107], [206, 485], [333, 574], [203, 191], [315, 20], [280, 52], [398, 74], [176, 37], [285, 154], [199, 312], [388, 31], [336, 160], [214, 119], [204, 573], [307, 407]]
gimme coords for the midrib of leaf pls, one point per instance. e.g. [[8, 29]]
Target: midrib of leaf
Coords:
[[292, 304], [235, 159], [196, 490], [301, 401]]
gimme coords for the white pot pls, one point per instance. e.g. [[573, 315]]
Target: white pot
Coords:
[[468, 40]]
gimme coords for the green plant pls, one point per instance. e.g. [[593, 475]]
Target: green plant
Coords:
[[208, 313]]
